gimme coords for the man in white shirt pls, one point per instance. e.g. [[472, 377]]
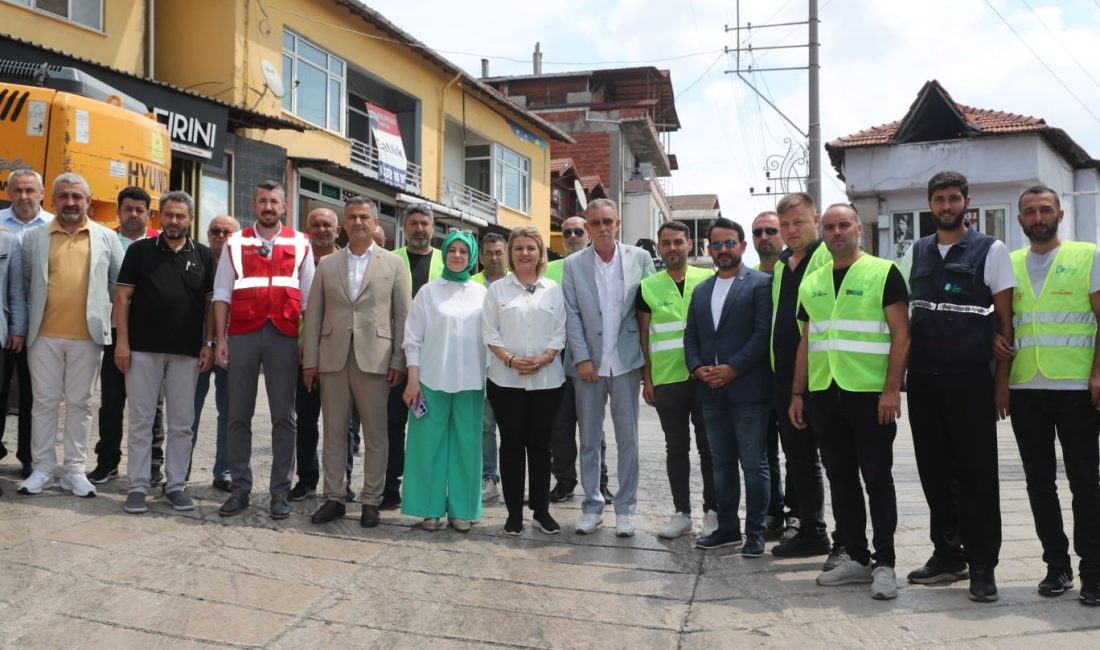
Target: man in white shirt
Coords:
[[25, 191], [360, 299], [600, 285]]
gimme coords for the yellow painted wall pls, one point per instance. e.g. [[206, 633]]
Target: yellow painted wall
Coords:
[[231, 49], [121, 44]]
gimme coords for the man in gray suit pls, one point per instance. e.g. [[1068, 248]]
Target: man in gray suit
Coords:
[[605, 358], [69, 271], [13, 303], [726, 348]]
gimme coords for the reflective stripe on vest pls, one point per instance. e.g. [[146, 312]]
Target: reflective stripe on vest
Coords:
[[820, 258], [949, 306], [849, 340], [668, 320], [1055, 334], [266, 287]]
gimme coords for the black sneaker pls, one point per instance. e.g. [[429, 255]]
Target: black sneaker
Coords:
[[983, 586], [300, 491], [802, 546], [513, 527], [349, 495], [935, 571], [545, 523], [102, 474], [773, 528], [156, 476], [1059, 580], [837, 555], [390, 501], [1090, 590], [608, 496], [234, 504], [560, 493], [718, 539]]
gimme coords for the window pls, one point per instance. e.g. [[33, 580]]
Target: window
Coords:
[[315, 82], [501, 173], [88, 13], [907, 227]]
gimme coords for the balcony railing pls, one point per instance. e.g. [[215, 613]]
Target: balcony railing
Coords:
[[468, 200], [364, 157]]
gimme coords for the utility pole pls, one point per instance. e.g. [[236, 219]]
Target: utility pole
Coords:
[[789, 164]]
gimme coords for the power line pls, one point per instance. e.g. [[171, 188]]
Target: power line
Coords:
[[1060, 44], [1042, 62]]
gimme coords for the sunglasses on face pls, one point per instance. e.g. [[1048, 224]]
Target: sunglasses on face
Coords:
[[573, 232], [605, 222], [772, 232], [219, 232], [729, 244]]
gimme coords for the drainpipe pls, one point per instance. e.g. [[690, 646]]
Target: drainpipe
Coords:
[[443, 127], [150, 40]]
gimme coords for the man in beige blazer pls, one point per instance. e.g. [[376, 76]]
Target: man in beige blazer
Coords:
[[354, 327]]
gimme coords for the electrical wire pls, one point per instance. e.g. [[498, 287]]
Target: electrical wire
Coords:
[[1059, 42]]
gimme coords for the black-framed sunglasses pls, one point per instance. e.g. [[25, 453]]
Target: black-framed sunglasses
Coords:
[[219, 232], [772, 232], [729, 244], [572, 232]]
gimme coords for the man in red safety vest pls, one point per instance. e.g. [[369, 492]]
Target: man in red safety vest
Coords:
[[260, 292]]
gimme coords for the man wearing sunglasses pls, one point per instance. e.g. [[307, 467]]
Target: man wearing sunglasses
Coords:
[[726, 349], [600, 285], [221, 227], [260, 291], [563, 438]]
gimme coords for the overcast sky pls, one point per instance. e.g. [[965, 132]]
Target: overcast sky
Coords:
[[875, 56]]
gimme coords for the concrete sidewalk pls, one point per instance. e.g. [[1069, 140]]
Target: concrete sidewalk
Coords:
[[82, 573]]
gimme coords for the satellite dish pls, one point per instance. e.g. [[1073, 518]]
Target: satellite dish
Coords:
[[582, 200], [272, 79]]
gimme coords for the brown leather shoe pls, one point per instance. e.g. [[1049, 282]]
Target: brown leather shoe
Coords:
[[328, 511], [369, 518]]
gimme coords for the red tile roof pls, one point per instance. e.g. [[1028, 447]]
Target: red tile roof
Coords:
[[559, 165], [693, 201]]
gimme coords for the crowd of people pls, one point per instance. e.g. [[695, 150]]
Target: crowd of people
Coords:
[[412, 362]]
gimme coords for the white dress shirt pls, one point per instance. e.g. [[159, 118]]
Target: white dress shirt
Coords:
[[526, 324], [12, 224], [224, 276], [443, 336], [357, 269], [611, 291]]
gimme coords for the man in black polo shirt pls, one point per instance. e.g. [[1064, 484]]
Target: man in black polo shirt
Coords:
[[161, 307]]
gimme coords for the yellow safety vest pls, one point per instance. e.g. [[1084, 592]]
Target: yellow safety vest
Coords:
[[820, 258], [849, 340], [554, 270], [1054, 334], [435, 267], [668, 311]]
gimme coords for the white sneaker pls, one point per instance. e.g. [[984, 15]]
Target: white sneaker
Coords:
[[36, 482], [884, 583], [624, 526], [489, 489], [78, 484], [846, 573], [710, 523], [678, 524], [588, 524]]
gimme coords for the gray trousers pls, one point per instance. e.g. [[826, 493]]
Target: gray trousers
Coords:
[[277, 354], [178, 375], [591, 401]]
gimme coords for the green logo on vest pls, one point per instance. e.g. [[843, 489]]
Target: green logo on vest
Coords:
[[853, 292], [818, 294]]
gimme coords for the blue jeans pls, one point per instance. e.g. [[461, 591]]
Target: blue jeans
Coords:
[[489, 445], [221, 402], [738, 433]]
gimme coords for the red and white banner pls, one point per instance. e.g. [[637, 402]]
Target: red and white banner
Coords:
[[392, 164]]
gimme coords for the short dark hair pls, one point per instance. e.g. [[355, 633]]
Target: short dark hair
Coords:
[[135, 194], [1037, 190], [268, 185], [178, 197], [722, 222], [360, 199], [945, 180], [419, 208], [492, 238], [678, 226]]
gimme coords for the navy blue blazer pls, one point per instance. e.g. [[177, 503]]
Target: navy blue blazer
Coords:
[[740, 340]]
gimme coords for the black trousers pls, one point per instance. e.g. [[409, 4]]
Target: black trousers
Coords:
[[112, 405], [16, 365], [397, 415], [1038, 416], [782, 498], [525, 419], [563, 442], [854, 444], [678, 409], [806, 483], [307, 412], [955, 440]]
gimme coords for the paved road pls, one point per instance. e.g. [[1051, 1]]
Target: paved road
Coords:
[[81, 573]]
